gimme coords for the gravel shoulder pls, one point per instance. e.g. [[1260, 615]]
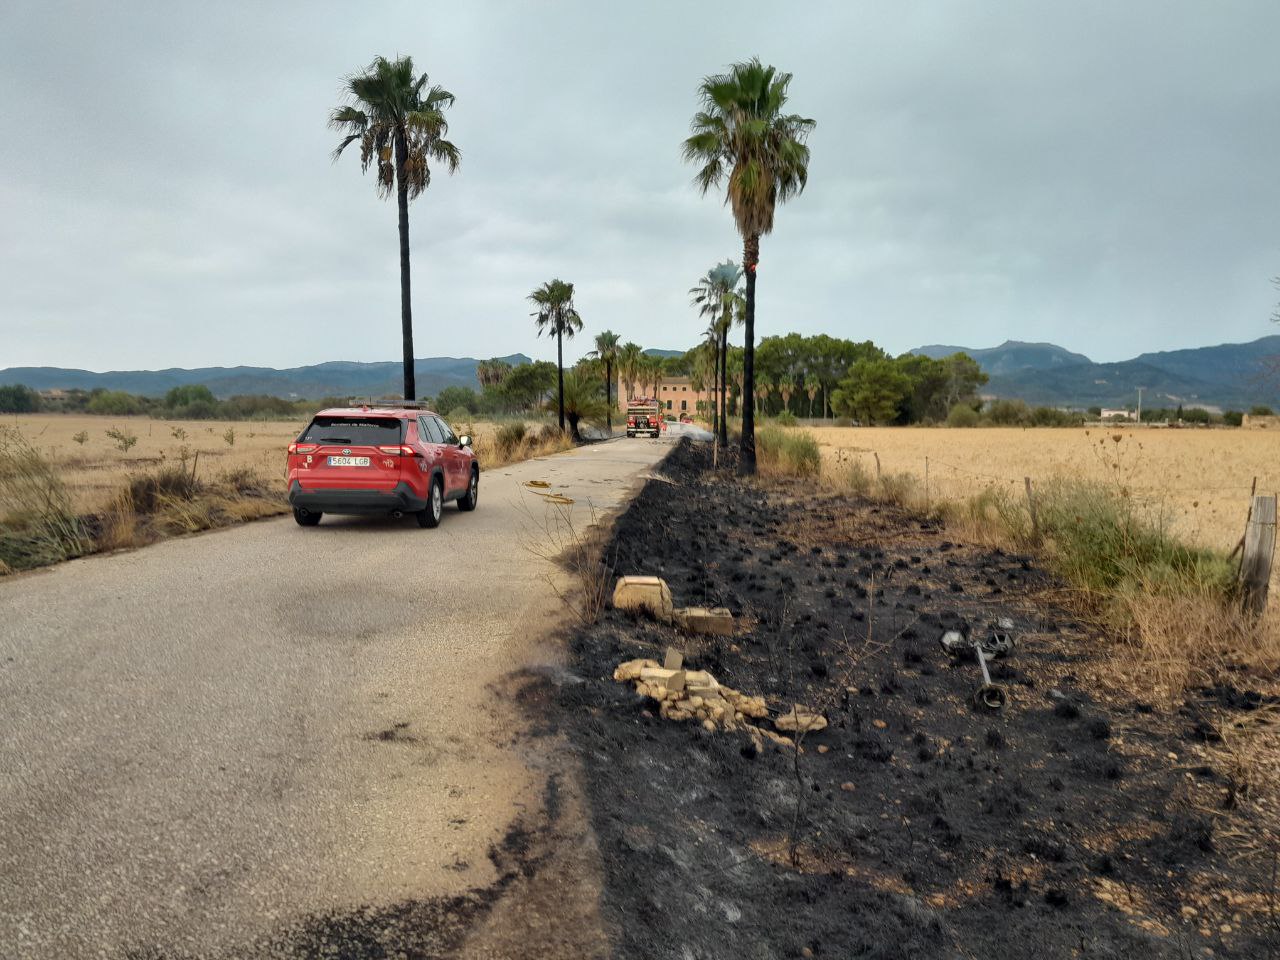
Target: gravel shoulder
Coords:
[[274, 741]]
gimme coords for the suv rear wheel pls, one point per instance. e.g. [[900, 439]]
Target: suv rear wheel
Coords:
[[430, 515], [305, 518], [473, 492]]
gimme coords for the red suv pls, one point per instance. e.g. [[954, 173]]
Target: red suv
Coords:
[[393, 459]]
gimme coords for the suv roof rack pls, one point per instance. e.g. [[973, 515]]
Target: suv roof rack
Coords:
[[395, 404]]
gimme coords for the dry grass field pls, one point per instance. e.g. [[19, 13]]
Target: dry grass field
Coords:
[[97, 469], [94, 471], [1197, 480]]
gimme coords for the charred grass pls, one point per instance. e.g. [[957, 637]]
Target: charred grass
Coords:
[[1085, 819]]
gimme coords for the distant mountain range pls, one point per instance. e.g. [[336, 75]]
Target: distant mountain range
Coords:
[[338, 378], [1228, 375], [1231, 375]]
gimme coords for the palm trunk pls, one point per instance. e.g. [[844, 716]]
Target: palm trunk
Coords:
[[721, 400], [750, 257], [560, 372], [406, 308], [608, 401]]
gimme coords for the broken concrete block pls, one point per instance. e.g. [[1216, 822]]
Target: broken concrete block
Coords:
[[716, 621], [650, 594], [674, 659], [800, 720], [631, 669]]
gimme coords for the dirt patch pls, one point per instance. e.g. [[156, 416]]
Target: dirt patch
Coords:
[[1069, 824]]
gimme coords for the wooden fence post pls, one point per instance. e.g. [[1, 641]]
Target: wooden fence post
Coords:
[[1031, 508], [1259, 548], [877, 456], [926, 484]]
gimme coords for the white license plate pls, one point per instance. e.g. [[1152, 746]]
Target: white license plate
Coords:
[[348, 461]]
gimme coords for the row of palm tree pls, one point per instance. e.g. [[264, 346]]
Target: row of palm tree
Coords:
[[743, 138], [717, 296]]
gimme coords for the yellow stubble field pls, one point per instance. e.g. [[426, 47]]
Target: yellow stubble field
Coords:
[[95, 470], [1197, 479]]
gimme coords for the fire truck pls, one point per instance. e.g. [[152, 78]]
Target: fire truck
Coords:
[[644, 416]]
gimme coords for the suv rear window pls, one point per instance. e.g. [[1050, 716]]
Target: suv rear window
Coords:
[[355, 431]]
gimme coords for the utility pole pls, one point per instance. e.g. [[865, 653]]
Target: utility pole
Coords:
[[1139, 405]]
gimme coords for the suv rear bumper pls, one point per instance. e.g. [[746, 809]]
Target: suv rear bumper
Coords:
[[357, 502]]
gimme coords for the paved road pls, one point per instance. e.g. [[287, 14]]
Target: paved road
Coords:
[[204, 740]]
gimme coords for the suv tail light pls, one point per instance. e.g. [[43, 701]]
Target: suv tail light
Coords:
[[302, 448], [400, 451]]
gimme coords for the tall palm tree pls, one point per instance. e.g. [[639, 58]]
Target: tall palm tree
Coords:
[[399, 122], [607, 351], [763, 389], [742, 135], [703, 374], [786, 387], [716, 296], [630, 359], [811, 387], [711, 348], [491, 373], [557, 315]]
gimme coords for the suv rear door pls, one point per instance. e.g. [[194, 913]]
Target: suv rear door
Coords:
[[355, 451], [456, 465]]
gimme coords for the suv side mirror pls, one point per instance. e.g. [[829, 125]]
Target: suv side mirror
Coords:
[[464, 441]]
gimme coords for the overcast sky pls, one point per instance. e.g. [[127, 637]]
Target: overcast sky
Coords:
[[1100, 175]]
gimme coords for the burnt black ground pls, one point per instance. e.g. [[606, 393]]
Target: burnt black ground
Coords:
[[1060, 827]]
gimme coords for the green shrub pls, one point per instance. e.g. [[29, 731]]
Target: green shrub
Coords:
[[114, 403], [962, 415], [1007, 413], [1053, 417], [1261, 410], [457, 416], [18, 398], [785, 419], [1102, 541], [788, 451], [1233, 418], [123, 439]]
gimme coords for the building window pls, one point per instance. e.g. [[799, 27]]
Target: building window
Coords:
[[668, 404], [684, 405]]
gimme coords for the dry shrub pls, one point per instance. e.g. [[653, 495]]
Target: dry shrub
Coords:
[[577, 548], [1176, 639], [119, 524], [38, 526], [510, 439], [897, 488], [513, 442], [174, 516], [148, 492]]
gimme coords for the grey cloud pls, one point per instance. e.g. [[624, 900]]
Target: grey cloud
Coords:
[[1096, 174]]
